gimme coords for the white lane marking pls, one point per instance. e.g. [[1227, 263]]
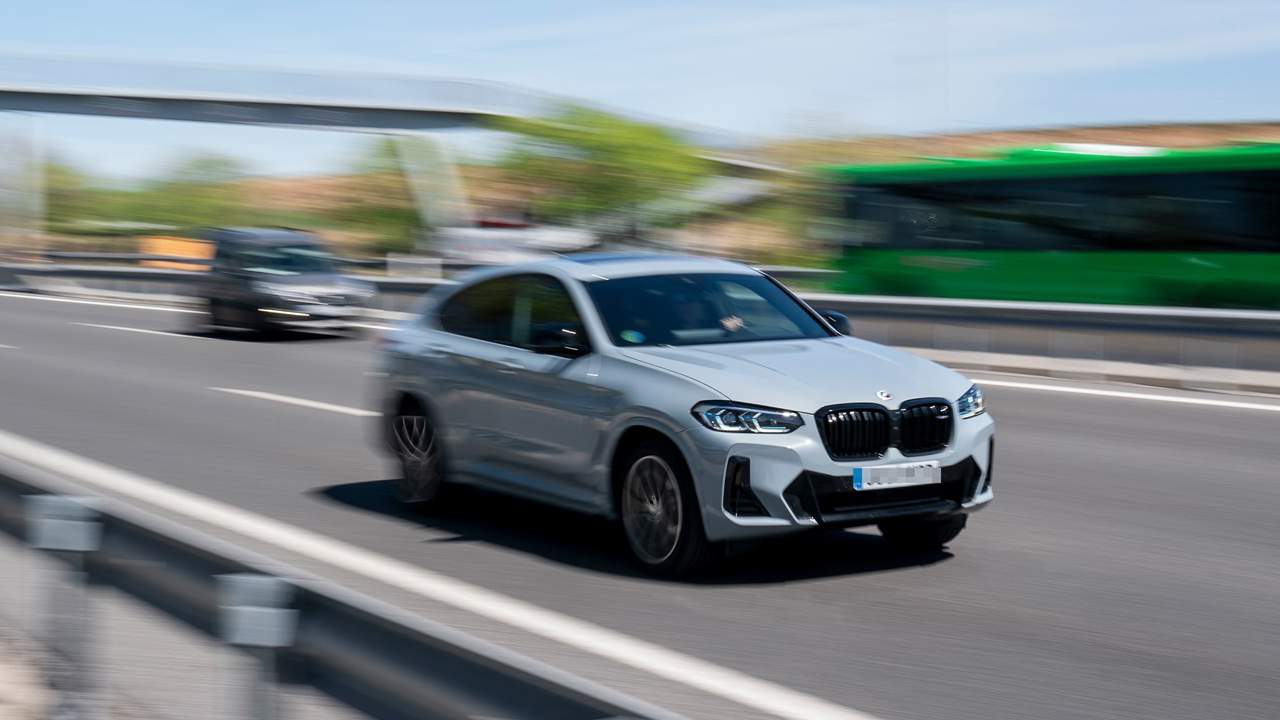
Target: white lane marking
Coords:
[[732, 685], [1234, 404], [302, 402], [144, 331], [8, 347], [104, 303], [160, 308]]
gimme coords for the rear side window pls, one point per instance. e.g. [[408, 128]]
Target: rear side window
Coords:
[[482, 311], [545, 315], [226, 257]]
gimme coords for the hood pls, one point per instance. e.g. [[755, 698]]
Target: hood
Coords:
[[805, 375]]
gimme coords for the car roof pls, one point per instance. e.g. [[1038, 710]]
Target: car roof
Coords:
[[261, 236], [608, 265]]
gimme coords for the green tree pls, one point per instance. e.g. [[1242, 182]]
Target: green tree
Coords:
[[68, 195], [202, 189], [584, 162]]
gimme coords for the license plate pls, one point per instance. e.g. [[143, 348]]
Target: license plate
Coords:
[[327, 311], [888, 476]]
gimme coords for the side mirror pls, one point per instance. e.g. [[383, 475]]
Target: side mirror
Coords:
[[837, 320], [560, 339]]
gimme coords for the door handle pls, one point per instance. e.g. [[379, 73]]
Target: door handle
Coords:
[[434, 351]]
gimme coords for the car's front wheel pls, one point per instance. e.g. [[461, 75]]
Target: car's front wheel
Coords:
[[414, 441], [659, 511], [217, 315], [923, 533]]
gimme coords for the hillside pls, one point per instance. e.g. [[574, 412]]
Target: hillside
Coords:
[[896, 148], [491, 191]]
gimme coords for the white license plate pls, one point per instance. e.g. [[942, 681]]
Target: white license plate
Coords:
[[887, 476], [327, 311]]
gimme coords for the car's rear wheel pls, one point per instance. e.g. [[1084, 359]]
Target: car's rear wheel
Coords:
[[659, 511], [414, 440], [923, 533]]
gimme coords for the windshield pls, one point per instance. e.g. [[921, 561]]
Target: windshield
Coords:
[[289, 259], [700, 309]]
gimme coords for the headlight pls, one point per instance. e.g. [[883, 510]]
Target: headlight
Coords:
[[731, 417], [970, 404]]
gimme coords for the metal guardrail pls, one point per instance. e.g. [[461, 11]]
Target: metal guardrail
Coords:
[[1201, 337], [447, 264], [150, 257], [375, 658], [1266, 321], [1060, 314]]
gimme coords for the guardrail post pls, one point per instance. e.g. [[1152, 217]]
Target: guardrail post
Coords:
[[68, 527], [256, 616]]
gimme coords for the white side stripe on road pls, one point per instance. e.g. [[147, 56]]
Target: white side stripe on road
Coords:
[[104, 303], [732, 685], [1234, 404], [8, 347], [168, 308], [302, 402], [144, 331]]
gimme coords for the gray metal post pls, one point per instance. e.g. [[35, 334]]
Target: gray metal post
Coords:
[[256, 616], [68, 527], [434, 182], [22, 182]]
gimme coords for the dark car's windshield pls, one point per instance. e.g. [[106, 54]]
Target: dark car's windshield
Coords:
[[700, 309], [289, 259]]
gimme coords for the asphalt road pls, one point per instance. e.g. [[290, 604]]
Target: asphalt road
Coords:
[[1127, 569]]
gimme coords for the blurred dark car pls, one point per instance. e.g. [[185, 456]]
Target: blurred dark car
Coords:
[[265, 279]]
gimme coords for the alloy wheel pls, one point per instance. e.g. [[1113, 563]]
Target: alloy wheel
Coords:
[[652, 511], [415, 443]]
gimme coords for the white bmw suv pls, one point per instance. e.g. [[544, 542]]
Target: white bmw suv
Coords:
[[695, 400]]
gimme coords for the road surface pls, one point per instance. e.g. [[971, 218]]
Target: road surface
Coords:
[[1127, 569]]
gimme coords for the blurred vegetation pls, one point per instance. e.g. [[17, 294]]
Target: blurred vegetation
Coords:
[[196, 191], [582, 163], [380, 202], [579, 166], [201, 190]]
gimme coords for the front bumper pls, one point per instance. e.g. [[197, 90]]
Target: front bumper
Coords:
[[797, 485]]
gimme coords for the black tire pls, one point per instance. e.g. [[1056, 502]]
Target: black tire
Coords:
[[690, 549], [263, 328], [923, 533], [414, 440], [217, 316]]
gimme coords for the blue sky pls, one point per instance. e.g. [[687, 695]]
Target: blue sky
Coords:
[[768, 69]]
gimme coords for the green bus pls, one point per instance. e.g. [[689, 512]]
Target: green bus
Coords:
[[1068, 223]]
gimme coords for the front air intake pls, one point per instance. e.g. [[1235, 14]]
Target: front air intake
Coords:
[[739, 499]]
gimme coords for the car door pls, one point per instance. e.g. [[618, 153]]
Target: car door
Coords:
[[226, 283], [460, 364], [547, 413]]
